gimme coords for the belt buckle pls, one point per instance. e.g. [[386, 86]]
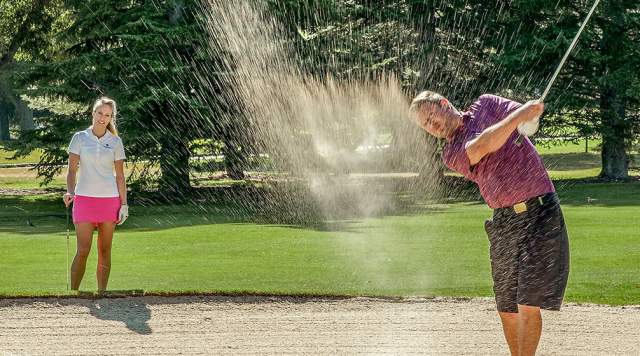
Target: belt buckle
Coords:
[[520, 207]]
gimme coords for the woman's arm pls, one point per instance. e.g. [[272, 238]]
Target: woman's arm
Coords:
[[120, 181], [72, 170]]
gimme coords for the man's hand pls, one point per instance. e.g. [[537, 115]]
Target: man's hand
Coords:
[[536, 107], [123, 214], [530, 127]]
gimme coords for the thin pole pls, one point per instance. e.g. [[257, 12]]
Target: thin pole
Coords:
[[68, 272], [566, 55]]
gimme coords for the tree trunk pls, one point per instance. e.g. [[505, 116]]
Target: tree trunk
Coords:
[[424, 23], [13, 108], [235, 138], [174, 166], [233, 161], [24, 114], [5, 112], [615, 162]]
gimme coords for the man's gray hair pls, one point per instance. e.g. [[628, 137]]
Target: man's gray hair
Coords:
[[425, 97]]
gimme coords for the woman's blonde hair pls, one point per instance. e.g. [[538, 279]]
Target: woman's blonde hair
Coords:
[[112, 103]]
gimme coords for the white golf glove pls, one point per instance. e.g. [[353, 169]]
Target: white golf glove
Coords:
[[528, 128], [123, 214]]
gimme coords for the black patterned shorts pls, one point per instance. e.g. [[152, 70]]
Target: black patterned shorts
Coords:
[[529, 255]]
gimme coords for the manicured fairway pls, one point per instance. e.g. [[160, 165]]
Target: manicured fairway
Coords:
[[440, 251]]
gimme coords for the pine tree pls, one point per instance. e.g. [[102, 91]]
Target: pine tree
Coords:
[[25, 32], [142, 54], [597, 90]]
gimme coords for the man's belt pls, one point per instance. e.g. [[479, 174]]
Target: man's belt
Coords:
[[523, 206]]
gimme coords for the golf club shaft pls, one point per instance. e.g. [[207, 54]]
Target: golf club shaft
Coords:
[[569, 50], [562, 62]]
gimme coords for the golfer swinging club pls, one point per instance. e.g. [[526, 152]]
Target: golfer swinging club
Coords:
[[99, 198], [529, 246]]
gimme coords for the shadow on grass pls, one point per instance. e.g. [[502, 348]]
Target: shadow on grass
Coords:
[[571, 161], [296, 205], [577, 160], [598, 192], [337, 205]]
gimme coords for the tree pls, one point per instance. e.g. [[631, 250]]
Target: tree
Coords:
[[141, 53], [424, 43], [619, 76], [22, 22], [25, 31], [597, 91]]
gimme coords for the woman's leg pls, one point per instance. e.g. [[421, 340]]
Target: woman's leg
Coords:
[[105, 236], [84, 235]]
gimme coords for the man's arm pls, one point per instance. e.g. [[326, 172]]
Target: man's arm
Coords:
[[495, 136]]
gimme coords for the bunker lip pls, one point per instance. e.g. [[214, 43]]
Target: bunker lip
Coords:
[[275, 325], [265, 297], [227, 294]]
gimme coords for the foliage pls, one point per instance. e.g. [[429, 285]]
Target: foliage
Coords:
[[597, 90], [140, 53], [27, 32], [155, 59]]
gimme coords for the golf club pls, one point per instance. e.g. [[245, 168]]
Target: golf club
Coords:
[[530, 127]]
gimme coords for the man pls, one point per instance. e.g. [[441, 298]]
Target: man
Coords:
[[528, 239]]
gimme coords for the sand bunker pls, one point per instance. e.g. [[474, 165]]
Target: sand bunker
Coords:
[[263, 325]]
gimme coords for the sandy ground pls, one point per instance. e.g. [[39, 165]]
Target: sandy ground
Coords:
[[263, 325]]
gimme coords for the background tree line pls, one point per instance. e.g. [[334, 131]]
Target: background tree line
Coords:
[[57, 56]]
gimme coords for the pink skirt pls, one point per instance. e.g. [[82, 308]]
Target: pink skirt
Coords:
[[95, 210]]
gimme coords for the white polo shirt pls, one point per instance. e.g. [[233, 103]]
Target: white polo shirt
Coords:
[[97, 156]]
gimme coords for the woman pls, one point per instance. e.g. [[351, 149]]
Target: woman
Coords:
[[99, 198]]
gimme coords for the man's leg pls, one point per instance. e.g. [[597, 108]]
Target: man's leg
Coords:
[[504, 252], [529, 329], [543, 272], [510, 328]]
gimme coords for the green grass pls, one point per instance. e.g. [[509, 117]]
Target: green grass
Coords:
[[557, 147], [5, 156], [442, 251], [29, 183], [568, 160]]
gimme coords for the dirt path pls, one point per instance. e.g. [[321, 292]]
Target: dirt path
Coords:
[[260, 325]]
